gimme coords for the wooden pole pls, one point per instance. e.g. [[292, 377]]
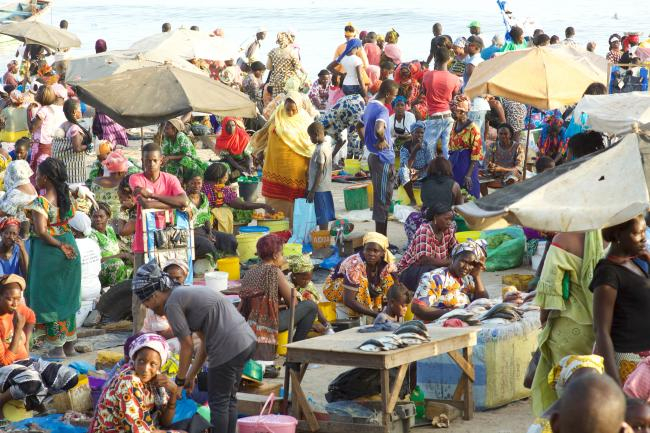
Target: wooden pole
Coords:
[[141, 137], [530, 110], [287, 372]]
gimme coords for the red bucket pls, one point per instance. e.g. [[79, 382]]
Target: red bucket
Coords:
[[267, 423]]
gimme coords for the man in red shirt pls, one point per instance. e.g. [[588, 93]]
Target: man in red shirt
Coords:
[[440, 86], [152, 189]]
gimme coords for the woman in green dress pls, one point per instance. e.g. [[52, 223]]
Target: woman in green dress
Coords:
[[179, 154], [116, 264], [105, 187], [54, 277]]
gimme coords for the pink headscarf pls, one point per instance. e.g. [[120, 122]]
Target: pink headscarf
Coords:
[[393, 52], [637, 384], [115, 162], [60, 91]]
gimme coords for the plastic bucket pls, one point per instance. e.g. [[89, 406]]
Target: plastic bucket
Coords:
[[404, 198], [292, 250], [247, 244], [274, 225], [320, 239], [283, 340], [254, 229], [217, 280], [267, 423], [96, 387], [463, 236], [84, 311], [356, 197], [352, 166], [371, 195], [230, 265], [328, 309]]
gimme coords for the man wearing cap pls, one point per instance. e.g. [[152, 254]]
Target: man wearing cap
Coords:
[[488, 52], [475, 28], [254, 47]]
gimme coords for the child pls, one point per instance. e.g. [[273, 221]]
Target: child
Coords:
[[21, 150], [301, 273], [399, 298], [320, 176]]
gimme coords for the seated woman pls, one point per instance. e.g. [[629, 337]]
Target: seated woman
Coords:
[[455, 286], [222, 197], [621, 288], [206, 240], [414, 159], [231, 147], [261, 290], [116, 264], [13, 255], [105, 187], [19, 193], [569, 368], [104, 148], [437, 188], [431, 246], [139, 398], [359, 283], [22, 378], [179, 153], [504, 161]]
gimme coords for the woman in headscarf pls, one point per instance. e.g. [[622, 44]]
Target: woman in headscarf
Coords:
[[353, 67], [344, 116], [400, 122], [179, 153], [504, 161], [262, 291], [465, 147], [413, 159], [453, 286], [570, 367], [139, 398], [552, 140], [287, 148], [391, 51], [19, 193], [283, 63], [231, 146], [21, 377], [54, 279], [105, 187], [116, 264], [13, 255], [614, 54], [15, 118], [98, 169], [409, 78], [359, 283]]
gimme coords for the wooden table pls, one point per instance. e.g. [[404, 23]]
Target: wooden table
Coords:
[[342, 349]]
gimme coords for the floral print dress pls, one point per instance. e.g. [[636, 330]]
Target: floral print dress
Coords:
[[345, 115], [113, 270], [181, 146], [440, 289]]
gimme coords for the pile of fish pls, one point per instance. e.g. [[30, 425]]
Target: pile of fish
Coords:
[[409, 333], [503, 310], [488, 311]]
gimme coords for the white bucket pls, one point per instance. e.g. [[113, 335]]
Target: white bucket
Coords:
[[536, 259], [84, 311], [217, 281]]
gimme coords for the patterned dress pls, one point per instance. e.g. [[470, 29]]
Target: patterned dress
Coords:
[[426, 244], [507, 158], [345, 115], [108, 196], [127, 405], [283, 64], [352, 274], [441, 289], [181, 146], [113, 270], [421, 161], [466, 146]]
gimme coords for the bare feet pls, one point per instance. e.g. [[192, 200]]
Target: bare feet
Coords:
[[56, 353], [68, 349]]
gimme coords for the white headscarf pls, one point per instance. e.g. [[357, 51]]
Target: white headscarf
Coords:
[[18, 173], [81, 223]]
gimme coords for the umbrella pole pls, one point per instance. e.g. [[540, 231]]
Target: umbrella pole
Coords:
[[530, 110], [141, 136], [292, 315]]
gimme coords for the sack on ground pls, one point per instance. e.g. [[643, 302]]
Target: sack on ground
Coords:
[[506, 248]]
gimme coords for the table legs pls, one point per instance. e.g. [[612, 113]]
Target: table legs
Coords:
[[300, 405], [464, 393], [390, 395]]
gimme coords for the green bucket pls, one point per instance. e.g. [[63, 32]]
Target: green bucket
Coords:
[[356, 197], [461, 225]]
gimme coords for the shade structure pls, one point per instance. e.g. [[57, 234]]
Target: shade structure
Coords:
[[95, 66], [617, 114], [150, 95], [543, 77], [600, 190], [36, 32], [187, 44]]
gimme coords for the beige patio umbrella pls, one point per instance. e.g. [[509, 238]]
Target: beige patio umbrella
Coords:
[[154, 94], [188, 44], [35, 32], [95, 66], [542, 77]]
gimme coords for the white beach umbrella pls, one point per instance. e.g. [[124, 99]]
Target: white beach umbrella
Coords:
[[187, 44]]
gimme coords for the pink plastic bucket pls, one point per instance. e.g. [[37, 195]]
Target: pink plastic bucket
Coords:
[[267, 423]]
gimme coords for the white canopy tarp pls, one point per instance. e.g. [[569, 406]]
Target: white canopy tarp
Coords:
[[617, 114], [605, 189]]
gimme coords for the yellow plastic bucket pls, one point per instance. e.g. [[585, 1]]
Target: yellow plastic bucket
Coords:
[[231, 266], [328, 309], [371, 195], [247, 245], [283, 339], [409, 314], [292, 250], [274, 225], [352, 166], [404, 198], [463, 236]]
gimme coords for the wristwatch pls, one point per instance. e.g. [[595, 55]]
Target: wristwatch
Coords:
[[179, 381]]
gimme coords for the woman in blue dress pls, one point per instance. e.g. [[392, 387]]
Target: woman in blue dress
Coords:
[[13, 254]]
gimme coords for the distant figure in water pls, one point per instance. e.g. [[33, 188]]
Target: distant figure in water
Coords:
[[615, 16], [166, 27], [63, 24], [591, 46]]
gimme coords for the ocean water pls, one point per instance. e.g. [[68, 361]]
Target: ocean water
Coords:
[[319, 24]]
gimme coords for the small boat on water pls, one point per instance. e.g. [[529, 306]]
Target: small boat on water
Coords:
[[17, 11]]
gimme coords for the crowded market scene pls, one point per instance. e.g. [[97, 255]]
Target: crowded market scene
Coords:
[[201, 235]]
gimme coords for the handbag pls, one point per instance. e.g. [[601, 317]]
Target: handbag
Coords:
[[169, 238], [530, 371]]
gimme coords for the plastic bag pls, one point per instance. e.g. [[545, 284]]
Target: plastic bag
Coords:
[[304, 221], [360, 382], [185, 409], [506, 248]]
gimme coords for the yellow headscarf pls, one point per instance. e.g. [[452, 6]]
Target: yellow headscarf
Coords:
[[561, 373], [104, 147], [293, 130], [351, 34], [382, 241]]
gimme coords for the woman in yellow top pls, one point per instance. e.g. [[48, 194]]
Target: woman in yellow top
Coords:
[[15, 119], [287, 148]]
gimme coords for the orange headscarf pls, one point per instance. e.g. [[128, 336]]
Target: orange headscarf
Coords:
[[236, 142]]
